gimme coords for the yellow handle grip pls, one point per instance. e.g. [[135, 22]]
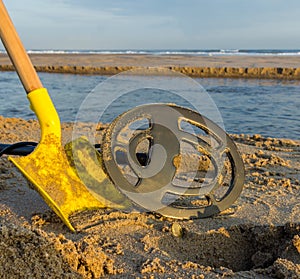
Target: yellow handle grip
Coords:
[[41, 104]]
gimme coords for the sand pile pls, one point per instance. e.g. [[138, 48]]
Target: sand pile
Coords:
[[282, 67], [258, 237]]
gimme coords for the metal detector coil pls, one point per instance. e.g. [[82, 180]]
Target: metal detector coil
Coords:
[[191, 167]]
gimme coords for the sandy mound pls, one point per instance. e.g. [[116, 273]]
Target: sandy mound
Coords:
[[258, 237], [282, 67]]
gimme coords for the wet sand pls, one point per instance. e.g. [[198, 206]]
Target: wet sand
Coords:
[[282, 67], [257, 237]]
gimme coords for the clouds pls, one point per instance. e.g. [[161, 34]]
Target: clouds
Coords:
[[119, 24]]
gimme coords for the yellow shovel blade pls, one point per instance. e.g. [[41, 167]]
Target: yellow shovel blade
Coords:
[[87, 163], [49, 169]]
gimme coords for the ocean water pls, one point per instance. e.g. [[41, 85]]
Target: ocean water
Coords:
[[250, 106], [198, 52]]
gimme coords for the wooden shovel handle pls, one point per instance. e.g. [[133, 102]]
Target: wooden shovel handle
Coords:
[[17, 52]]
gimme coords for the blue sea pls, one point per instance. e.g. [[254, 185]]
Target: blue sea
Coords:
[[198, 52], [249, 106]]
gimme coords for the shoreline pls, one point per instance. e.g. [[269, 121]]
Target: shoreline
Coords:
[[259, 67]]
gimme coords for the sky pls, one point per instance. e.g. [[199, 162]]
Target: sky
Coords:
[[157, 24]]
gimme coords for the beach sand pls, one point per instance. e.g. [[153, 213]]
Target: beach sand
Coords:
[[283, 67], [257, 237]]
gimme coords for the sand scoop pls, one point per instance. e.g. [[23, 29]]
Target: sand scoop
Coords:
[[48, 168], [144, 162]]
